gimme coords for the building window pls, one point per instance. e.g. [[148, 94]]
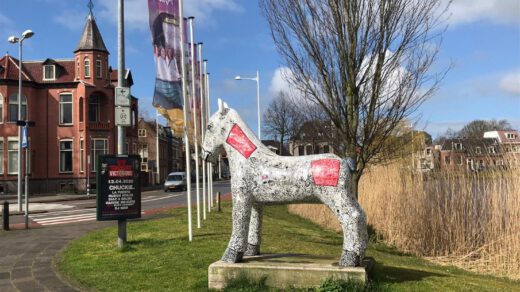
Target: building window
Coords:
[[1, 156], [81, 155], [13, 108], [457, 146], [12, 156], [492, 150], [1, 109], [66, 109], [308, 150], [326, 149], [81, 109], [300, 150], [49, 72], [142, 132], [99, 147], [459, 160], [428, 151], [77, 68], [66, 156], [99, 72], [86, 64], [478, 150], [447, 160], [510, 136], [93, 109]]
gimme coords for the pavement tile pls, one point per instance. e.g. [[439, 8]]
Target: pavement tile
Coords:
[[21, 273], [28, 286], [7, 288], [5, 275]]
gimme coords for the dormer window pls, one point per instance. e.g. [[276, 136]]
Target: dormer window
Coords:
[[510, 136], [86, 64], [478, 150], [457, 146], [49, 72]]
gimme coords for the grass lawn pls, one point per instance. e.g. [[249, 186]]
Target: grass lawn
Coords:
[[160, 258]]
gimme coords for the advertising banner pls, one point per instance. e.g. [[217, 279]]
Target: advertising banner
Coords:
[[118, 187]]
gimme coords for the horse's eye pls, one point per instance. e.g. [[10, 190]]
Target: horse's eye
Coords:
[[210, 126]]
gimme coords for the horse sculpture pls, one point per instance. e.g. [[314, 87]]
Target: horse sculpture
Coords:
[[260, 177]]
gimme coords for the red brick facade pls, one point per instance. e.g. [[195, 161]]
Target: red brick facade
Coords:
[[72, 103]]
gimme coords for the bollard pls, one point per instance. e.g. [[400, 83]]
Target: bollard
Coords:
[[5, 215], [218, 201]]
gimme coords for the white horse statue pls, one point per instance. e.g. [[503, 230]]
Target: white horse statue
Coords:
[[260, 177]]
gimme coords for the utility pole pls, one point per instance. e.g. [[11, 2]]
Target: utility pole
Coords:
[[121, 223]]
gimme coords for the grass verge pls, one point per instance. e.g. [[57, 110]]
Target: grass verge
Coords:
[[160, 258]]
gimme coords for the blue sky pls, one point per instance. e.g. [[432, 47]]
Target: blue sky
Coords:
[[482, 41]]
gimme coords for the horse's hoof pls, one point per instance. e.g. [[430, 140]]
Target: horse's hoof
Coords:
[[232, 256], [252, 250], [349, 259]]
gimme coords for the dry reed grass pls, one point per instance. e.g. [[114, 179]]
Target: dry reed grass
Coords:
[[471, 220]]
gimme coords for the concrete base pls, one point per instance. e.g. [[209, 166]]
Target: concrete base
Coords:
[[284, 270]]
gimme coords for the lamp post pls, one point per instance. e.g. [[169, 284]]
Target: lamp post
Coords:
[[13, 40], [257, 79]]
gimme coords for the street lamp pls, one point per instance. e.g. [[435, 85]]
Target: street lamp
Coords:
[[257, 79], [13, 40]]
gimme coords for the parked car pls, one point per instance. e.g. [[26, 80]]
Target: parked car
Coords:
[[176, 181]]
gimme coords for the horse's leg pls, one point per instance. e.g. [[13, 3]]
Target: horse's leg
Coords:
[[354, 224], [241, 217], [255, 231]]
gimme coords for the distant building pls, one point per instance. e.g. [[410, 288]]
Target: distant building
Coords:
[[171, 155], [276, 147], [315, 137], [72, 103]]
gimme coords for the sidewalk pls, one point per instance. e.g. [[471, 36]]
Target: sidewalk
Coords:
[[26, 256]]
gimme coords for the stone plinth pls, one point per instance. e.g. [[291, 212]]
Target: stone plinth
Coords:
[[283, 270]]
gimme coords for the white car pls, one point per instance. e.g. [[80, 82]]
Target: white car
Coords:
[[176, 181]]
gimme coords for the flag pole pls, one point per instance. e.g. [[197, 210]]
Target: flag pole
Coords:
[[202, 130], [210, 164], [185, 117], [206, 114], [195, 140]]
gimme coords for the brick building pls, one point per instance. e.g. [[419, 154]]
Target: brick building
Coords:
[[71, 102], [171, 154]]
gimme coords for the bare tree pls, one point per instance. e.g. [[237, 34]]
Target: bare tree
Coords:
[[282, 118], [365, 62]]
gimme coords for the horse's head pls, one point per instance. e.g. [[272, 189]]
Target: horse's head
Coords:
[[217, 130]]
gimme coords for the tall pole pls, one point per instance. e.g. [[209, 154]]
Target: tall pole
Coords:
[[195, 140], [210, 164], [157, 147], [121, 224], [258, 103], [185, 116], [206, 115], [202, 130], [20, 127]]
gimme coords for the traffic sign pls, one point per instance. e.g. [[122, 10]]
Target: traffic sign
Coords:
[[123, 116], [122, 96]]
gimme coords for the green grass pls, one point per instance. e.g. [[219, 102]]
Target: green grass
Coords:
[[160, 258]]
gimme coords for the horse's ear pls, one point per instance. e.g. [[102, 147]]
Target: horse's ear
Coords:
[[219, 105], [225, 105]]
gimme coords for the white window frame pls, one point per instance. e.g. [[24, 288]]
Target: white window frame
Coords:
[[24, 107], [457, 146], [1, 109], [141, 133], [62, 103], [12, 152], [86, 65], [94, 149], [1, 155], [510, 136], [491, 150], [478, 150], [53, 77], [97, 104], [71, 150], [81, 155]]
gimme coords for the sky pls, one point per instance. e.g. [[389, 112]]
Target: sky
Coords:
[[482, 43]]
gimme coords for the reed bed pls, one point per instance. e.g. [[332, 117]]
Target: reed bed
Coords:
[[466, 219]]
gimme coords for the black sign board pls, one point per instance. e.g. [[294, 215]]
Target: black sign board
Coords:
[[118, 187]]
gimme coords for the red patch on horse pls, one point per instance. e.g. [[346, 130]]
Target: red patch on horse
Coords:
[[325, 172], [238, 140]]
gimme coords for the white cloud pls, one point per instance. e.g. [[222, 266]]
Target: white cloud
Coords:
[[279, 81], [69, 19], [498, 11], [510, 83], [136, 11]]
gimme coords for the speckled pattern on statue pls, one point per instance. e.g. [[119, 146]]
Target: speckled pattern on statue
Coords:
[[260, 177]]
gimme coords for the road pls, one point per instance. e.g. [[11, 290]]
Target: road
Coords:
[[70, 212]]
